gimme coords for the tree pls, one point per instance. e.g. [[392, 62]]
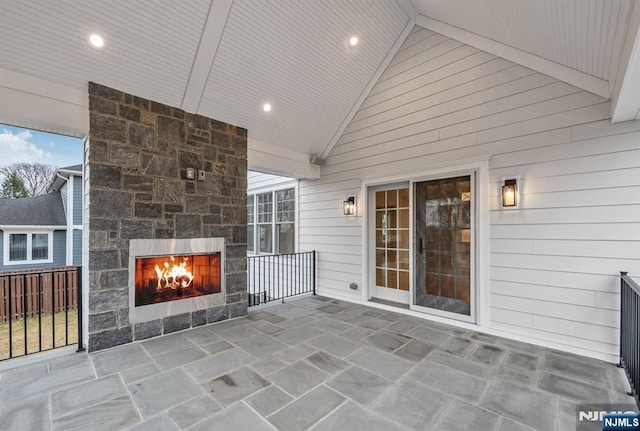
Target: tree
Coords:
[[13, 187], [35, 177]]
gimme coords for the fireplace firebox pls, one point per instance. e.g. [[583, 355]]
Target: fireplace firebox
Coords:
[[168, 278]]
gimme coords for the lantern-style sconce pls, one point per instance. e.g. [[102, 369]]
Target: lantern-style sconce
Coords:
[[510, 193], [349, 206]]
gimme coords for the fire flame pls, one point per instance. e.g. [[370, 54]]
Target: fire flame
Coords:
[[174, 277]]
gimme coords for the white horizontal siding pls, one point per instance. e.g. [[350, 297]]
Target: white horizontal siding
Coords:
[[554, 262]]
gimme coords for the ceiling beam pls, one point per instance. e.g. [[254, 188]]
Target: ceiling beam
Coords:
[[372, 82], [574, 77], [272, 159], [206, 53], [625, 99], [39, 104]]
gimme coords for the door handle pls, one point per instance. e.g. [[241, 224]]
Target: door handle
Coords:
[[420, 247]]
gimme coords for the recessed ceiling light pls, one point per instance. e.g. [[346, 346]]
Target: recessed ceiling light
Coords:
[[266, 107], [96, 41], [353, 41]]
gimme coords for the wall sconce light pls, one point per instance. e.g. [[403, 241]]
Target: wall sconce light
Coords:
[[349, 206], [510, 192]]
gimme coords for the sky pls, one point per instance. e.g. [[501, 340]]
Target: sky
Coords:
[[18, 144]]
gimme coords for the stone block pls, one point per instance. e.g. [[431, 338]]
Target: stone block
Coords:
[[123, 317], [97, 240], [106, 176], [236, 265], [130, 229], [103, 259], [118, 279], [212, 219], [129, 113], [105, 92], [102, 106], [218, 125], [173, 208], [105, 300], [239, 234], [110, 338], [189, 159], [159, 108], [137, 183], [101, 321], [210, 152], [198, 318], [147, 210], [98, 151], [169, 191], [236, 282], [140, 102], [188, 226], [107, 128], [149, 329], [108, 203], [177, 113], [142, 136], [164, 233], [96, 224], [170, 130], [220, 139], [159, 166], [177, 322], [237, 309], [197, 204], [125, 156], [210, 186], [217, 314], [148, 118]]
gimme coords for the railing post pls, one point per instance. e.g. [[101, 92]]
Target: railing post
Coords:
[[79, 283], [314, 272]]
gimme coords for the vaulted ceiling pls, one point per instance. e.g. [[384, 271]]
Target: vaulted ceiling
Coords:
[[226, 58]]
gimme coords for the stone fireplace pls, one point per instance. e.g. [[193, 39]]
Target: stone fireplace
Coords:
[[144, 211]]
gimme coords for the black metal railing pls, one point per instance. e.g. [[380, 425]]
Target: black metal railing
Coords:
[[280, 276], [629, 332], [40, 309]]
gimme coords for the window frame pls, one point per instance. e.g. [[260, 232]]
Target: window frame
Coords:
[[29, 233], [275, 245]]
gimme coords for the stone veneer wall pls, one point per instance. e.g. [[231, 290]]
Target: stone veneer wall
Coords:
[[138, 154]]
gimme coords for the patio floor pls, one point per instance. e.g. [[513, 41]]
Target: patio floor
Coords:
[[313, 363]]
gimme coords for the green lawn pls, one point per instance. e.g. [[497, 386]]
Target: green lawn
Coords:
[[33, 340]]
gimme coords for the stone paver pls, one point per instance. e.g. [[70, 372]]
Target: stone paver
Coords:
[[311, 364]]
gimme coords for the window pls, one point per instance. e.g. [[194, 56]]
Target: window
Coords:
[[271, 222], [24, 248]]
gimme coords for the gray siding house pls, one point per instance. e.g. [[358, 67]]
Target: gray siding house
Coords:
[[44, 231]]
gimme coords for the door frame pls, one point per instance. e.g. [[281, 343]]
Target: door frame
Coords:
[[484, 201], [370, 215]]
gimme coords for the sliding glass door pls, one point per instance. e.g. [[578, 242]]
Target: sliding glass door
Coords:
[[444, 242]]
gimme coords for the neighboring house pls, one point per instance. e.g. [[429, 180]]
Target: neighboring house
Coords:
[[45, 230]]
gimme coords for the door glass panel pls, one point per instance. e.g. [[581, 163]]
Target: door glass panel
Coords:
[[443, 238], [392, 238]]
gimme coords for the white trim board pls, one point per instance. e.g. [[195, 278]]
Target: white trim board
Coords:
[[625, 101], [271, 159], [574, 77]]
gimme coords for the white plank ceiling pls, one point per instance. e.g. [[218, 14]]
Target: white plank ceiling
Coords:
[[290, 53], [585, 35]]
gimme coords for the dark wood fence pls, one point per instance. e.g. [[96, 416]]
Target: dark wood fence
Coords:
[[37, 292]]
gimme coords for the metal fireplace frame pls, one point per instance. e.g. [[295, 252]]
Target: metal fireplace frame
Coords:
[[157, 247]]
